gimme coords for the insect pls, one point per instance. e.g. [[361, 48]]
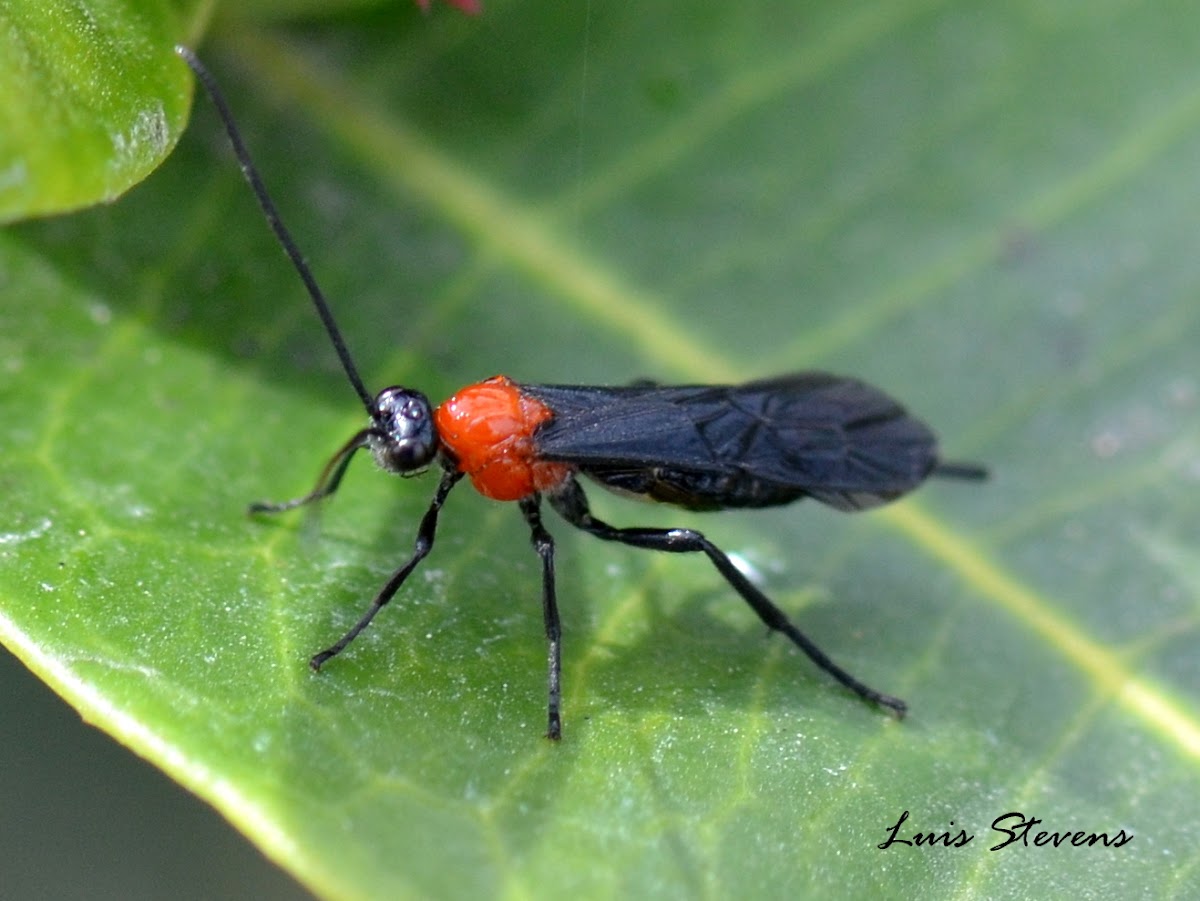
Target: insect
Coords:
[[701, 447]]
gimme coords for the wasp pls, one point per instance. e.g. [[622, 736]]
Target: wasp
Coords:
[[760, 444]]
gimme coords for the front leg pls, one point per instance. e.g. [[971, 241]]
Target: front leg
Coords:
[[543, 543], [421, 547], [571, 503], [327, 481]]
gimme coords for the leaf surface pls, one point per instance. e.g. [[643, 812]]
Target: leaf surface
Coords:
[[989, 212]]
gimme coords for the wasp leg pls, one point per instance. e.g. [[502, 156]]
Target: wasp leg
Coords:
[[543, 543], [327, 481], [571, 503], [423, 545]]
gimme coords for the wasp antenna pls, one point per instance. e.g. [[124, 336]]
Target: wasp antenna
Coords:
[[281, 232]]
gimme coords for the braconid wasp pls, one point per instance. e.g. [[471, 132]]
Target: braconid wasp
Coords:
[[701, 447]]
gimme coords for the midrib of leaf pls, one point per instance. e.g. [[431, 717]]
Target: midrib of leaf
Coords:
[[521, 237], [1108, 669], [508, 229]]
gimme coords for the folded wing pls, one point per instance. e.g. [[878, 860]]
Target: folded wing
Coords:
[[835, 439]]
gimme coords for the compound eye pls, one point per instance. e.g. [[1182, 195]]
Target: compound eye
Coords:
[[404, 439]]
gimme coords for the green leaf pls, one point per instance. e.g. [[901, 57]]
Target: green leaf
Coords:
[[92, 99], [986, 209]]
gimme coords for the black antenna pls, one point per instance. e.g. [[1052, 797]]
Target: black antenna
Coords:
[[281, 233]]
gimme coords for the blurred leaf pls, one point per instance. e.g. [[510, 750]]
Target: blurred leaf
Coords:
[[92, 99], [988, 210]]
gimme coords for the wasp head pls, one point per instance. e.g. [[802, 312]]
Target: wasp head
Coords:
[[402, 439]]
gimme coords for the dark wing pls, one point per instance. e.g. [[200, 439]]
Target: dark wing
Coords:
[[765, 442]]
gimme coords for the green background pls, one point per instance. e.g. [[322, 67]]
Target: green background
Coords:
[[990, 211]]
